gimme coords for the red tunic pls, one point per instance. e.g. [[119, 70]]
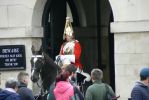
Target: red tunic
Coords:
[[75, 50]]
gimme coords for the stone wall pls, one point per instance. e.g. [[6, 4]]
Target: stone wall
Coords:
[[131, 33], [130, 10], [20, 24], [131, 54]]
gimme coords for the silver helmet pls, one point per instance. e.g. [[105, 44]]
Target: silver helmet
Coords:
[[68, 28]]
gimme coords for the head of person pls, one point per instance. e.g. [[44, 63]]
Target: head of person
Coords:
[[65, 63], [71, 69], [96, 74], [62, 76], [68, 31], [144, 74], [69, 36], [23, 77], [12, 83]]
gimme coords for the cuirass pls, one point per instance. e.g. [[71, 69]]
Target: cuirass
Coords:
[[68, 48]]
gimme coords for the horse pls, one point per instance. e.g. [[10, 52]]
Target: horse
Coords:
[[45, 68]]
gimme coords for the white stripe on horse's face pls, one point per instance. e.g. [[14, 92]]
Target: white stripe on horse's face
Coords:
[[34, 73], [35, 59]]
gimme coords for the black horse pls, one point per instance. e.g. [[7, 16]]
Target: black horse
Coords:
[[43, 67]]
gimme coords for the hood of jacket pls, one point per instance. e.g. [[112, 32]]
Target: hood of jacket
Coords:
[[62, 87], [4, 94], [140, 84]]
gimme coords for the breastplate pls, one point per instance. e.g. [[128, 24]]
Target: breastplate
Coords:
[[68, 48]]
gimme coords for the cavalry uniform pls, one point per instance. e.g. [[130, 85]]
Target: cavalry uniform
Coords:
[[70, 51], [72, 47]]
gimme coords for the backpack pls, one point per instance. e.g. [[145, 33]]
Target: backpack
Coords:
[[110, 96], [77, 94]]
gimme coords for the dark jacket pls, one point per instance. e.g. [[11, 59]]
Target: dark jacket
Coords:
[[7, 95], [140, 92], [25, 93], [51, 95], [77, 92]]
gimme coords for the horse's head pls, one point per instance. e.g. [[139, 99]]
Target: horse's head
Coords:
[[37, 62], [44, 68]]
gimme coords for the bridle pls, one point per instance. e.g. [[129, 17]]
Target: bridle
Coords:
[[35, 59], [34, 68]]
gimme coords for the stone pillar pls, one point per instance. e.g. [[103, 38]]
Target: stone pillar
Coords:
[[131, 54], [131, 33], [20, 24]]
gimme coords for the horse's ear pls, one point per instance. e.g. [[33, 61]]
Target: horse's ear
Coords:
[[44, 54], [33, 49], [40, 50]]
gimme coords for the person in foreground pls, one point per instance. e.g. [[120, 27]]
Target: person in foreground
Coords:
[[141, 89], [25, 93], [71, 69], [98, 90], [10, 92], [63, 90]]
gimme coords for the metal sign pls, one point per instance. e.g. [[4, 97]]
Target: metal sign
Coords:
[[12, 57]]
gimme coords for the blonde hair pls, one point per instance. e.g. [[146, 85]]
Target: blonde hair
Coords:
[[97, 74], [22, 76]]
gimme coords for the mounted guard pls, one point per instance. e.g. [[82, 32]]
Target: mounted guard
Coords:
[[70, 51]]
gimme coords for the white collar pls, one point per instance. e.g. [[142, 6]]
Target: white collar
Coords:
[[10, 89]]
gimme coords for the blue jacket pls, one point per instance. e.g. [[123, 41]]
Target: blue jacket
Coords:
[[25, 93], [7, 95], [140, 92]]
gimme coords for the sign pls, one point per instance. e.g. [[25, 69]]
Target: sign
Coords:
[[12, 57]]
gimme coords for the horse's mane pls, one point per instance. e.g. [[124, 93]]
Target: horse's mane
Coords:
[[48, 71]]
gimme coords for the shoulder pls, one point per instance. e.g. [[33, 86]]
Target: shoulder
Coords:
[[90, 90], [76, 41], [107, 85], [137, 92], [138, 87], [24, 90], [109, 88], [13, 96], [91, 87], [64, 43]]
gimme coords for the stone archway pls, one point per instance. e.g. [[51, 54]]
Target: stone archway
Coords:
[[87, 30], [53, 21], [39, 18], [37, 28]]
